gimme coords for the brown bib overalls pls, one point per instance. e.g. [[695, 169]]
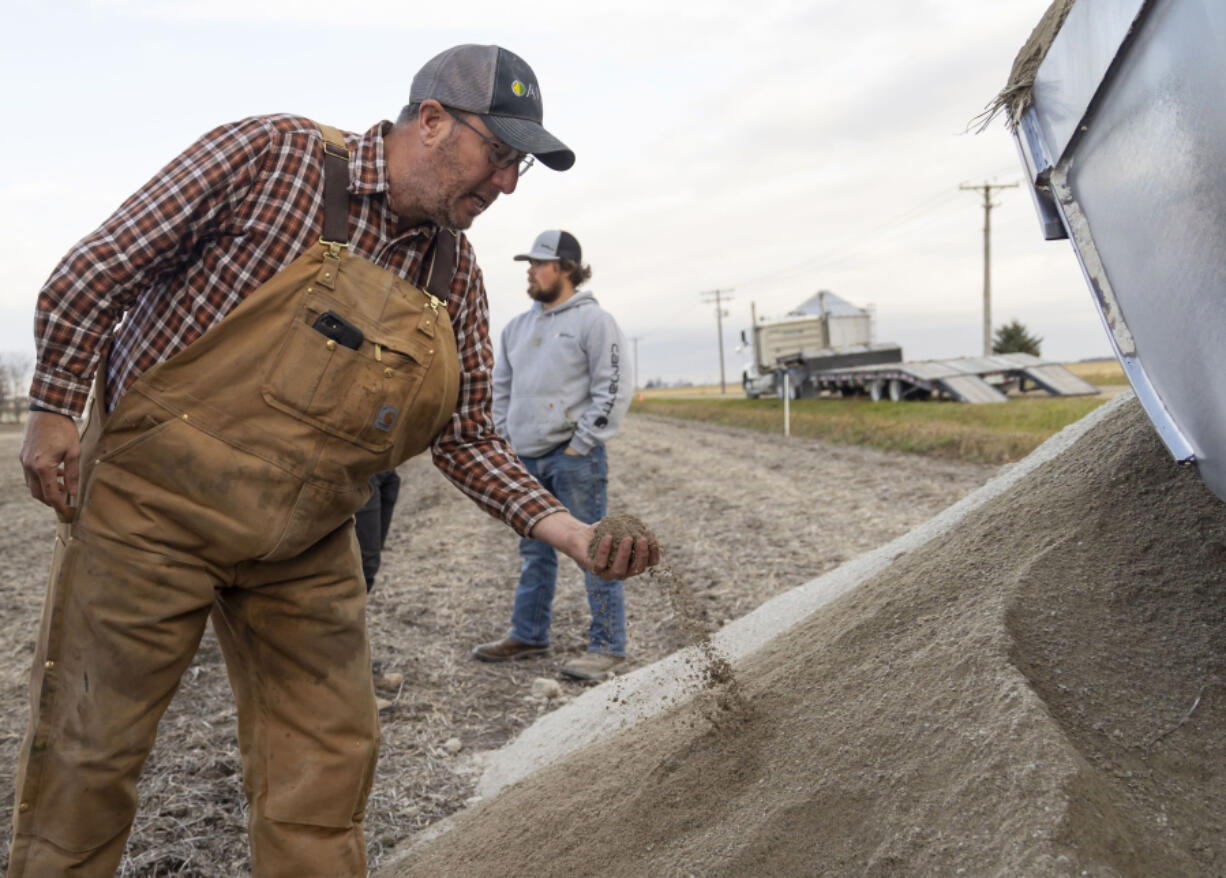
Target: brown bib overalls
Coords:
[[223, 483]]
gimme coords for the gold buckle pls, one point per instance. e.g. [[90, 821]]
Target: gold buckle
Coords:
[[334, 247]]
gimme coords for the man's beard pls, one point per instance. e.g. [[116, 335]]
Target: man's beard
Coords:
[[545, 295]]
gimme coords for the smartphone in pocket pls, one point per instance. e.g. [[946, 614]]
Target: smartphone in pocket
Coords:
[[340, 330]]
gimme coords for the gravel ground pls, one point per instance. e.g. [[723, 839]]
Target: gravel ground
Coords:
[[741, 516]]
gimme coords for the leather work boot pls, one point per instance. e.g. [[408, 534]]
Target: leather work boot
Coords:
[[592, 666], [507, 649]]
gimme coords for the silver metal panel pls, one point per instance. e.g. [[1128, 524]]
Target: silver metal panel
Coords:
[[1146, 200], [1075, 65], [1033, 153], [1174, 439]]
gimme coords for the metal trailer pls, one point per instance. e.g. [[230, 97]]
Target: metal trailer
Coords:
[[801, 369], [1121, 130], [965, 379]]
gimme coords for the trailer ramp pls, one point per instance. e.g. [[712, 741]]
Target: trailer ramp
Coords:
[[971, 388], [1059, 381], [965, 379]]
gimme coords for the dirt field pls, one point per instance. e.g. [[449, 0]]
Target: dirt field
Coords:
[[741, 516]]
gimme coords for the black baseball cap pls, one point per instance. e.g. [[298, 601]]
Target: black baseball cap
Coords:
[[500, 87], [554, 244]]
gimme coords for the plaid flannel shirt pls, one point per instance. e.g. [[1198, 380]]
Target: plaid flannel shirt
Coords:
[[223, 217]]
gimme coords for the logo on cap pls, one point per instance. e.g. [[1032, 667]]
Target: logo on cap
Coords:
[[521, 89]]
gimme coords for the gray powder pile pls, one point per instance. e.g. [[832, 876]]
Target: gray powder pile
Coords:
[[1041, 691]]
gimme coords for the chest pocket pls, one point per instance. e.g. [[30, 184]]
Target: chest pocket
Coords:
[[356, 388]]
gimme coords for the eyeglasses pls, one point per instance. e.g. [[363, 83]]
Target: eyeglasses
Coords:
[[501, 156]]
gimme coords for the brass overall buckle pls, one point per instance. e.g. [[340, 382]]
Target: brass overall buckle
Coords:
[[334, 247]]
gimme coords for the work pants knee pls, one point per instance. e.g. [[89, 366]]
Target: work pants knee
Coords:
[[120, 625], [294, 638]]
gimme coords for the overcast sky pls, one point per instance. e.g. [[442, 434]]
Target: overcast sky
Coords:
[[770, 149]]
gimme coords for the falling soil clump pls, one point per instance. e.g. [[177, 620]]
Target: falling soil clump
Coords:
[[619, 527], [710, 667], [712, 670]]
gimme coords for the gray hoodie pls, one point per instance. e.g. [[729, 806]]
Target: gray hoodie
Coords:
[[561, 377]]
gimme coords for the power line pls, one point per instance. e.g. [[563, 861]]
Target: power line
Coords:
[[835, 251], [861, 240]]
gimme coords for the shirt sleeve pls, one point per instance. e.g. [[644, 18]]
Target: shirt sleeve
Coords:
[[469, 451], [610, 384], [151, 232]]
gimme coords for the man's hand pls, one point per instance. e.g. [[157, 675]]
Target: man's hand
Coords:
[[567, 534], [50, 452]]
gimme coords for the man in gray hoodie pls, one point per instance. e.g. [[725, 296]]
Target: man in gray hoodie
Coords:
[[561, 387]]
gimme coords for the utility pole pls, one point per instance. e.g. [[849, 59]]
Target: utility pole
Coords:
[[987, 257], [719, 297], [635, 340]]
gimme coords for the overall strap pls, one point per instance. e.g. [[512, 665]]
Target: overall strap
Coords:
[[336, 188], [441, 258], [441, 261]]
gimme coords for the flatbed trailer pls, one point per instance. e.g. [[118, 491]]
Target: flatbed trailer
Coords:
[[964, 379]]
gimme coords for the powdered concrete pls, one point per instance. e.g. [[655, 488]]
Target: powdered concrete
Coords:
[[627, 701]]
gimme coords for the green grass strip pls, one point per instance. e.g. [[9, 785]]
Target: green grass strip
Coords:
[[992, 434]]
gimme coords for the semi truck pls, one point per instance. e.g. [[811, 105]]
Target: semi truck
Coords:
[[823, 332]]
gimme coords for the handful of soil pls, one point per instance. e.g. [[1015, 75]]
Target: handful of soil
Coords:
[[619, 527], [712, 669]]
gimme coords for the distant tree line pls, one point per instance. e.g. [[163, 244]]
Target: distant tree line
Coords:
[[660, 382], [15, 371]]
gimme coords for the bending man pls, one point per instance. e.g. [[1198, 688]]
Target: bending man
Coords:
[[296, 316]]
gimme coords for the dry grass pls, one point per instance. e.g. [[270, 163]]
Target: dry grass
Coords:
[[1103, 373]]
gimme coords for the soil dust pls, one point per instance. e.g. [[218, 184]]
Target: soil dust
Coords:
[[1040, 691], [712, 667]]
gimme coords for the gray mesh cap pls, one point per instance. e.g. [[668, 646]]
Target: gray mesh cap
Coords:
[[501, 88], [554, 244]]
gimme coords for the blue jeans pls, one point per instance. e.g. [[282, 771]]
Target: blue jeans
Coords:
[[580, 484]]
